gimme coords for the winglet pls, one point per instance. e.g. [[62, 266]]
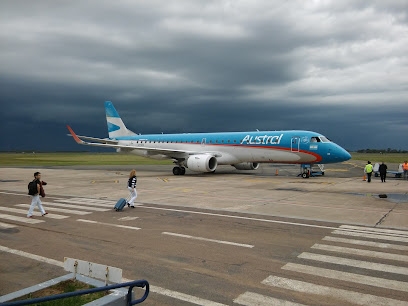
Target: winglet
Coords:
[[74, 135]]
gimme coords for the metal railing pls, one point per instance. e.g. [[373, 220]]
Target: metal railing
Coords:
[[131, 285]]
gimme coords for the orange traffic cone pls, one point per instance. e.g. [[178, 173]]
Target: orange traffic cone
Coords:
[[364, 178], [276, 173]]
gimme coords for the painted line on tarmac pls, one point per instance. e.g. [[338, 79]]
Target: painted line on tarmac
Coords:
[[67, 211], [36, 214], [128, 218], [209, 240], [360, 252], [367, 243], [251, 298], [355, 263], [162, 291], [23, 194], [368, 235], [87, 202], [376, 230], [32, 256], [251, 219], [20, 219], [240, 217], [83, 207], [344, 295], [6, 225], [109, 224], [349, 277]]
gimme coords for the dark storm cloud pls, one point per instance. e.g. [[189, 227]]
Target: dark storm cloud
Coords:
[[335, 67]]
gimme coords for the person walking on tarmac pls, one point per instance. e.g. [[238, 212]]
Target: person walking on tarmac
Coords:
[[132, 188], [35, 189], [369, 170], [383, 171], [405, 168]]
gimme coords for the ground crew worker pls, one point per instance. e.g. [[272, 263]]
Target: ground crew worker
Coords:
[[369, 170], [132, 188], [383, 171], [405, 168], [35, 194]]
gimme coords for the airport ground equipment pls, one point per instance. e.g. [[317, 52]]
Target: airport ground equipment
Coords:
[[306, 170], [398, 173]]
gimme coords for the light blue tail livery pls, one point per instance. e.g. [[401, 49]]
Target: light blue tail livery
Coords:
[[116, 127]]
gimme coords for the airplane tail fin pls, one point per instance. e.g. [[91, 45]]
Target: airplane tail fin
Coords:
[[116, 127]]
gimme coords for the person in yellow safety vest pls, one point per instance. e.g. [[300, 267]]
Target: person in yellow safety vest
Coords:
[[369, 170], [405, 168]]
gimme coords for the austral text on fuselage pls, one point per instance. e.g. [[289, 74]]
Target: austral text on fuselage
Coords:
[[266, 139]]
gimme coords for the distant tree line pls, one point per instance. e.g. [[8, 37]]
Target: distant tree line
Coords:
[[389, 150]]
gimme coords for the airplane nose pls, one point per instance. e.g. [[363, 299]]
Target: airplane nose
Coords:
[[344, 155]]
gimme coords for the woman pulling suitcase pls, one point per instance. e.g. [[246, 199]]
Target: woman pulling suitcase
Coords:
[[132, 188]]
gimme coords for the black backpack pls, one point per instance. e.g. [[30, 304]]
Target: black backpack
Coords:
[[32, 188]]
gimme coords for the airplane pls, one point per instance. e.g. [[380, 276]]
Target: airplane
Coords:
[[203, 152]]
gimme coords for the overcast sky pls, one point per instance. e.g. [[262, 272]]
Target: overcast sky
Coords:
[[339, 68]]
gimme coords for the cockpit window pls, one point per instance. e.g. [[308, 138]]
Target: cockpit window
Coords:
[[324, 139], [315, 139]]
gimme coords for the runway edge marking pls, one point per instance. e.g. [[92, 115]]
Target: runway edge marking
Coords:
[[162, 291]]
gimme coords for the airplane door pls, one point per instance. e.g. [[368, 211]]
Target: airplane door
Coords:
[[294, 146]]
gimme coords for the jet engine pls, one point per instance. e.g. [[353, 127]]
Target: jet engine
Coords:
[[202, 163], [246, 166]]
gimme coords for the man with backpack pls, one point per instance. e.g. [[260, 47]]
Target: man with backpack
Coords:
[[34, 190]]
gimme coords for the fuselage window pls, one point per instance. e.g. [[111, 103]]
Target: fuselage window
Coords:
[[228, 141], [222, 141], [235, 141]]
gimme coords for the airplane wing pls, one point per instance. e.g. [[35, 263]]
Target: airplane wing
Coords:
[[101, 140], [115, 144]]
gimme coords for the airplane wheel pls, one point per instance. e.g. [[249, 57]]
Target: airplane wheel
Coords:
[[177, 171], [183, 171]]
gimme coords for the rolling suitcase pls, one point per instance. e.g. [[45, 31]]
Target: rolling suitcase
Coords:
[[121, 204]]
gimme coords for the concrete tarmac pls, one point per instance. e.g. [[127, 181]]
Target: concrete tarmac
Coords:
[[232, 238]]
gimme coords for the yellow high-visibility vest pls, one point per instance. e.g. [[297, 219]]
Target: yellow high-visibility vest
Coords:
[[369, 168]]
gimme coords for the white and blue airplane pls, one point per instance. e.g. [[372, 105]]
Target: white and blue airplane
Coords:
[[203, 152]]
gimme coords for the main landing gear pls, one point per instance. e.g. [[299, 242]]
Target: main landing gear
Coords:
[[179, 170]]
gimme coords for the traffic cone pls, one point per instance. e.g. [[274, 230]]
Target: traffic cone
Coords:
[[364, 178], [276, 173]]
